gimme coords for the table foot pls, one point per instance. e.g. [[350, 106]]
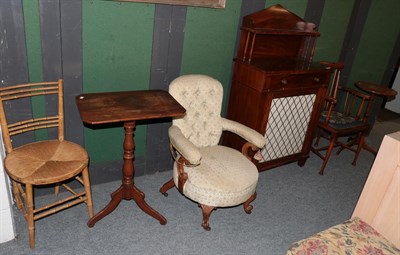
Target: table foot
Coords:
[[138, 196], [116, 198], [127, 192]]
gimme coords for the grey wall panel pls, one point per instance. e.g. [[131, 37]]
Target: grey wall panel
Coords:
[[314, 11], [13, 62], [51, 49], [71, 46], [169, 24], [353, 36]]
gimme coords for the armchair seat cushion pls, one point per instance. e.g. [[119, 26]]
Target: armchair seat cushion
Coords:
[[223, 178], [351, 237]]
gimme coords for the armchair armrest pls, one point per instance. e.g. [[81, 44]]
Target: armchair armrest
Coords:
[[243, 131], [186, 148]]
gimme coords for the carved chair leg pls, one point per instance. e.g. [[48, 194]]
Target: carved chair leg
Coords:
[[247, 206], [207, 210], [167, 186]]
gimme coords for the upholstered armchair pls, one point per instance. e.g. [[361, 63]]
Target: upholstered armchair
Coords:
[[204, 171]]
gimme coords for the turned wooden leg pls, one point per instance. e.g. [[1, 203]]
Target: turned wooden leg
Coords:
[[29, 216], [167, 186], [318, 136], [328, 154], [207, 210], [17, 194], [247, 206], [57, 189], [361, 141], [86, 184]]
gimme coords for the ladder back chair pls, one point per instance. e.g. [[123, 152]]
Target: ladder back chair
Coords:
[[42, 162], [210, 174], [344, 114], [331, 92]]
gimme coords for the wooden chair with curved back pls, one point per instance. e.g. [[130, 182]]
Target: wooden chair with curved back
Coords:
[[210, 174], [344, 114], [41, 162]]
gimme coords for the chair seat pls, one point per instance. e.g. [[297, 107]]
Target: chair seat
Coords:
[[224, 178], [351, 237], [339, 120], [46, 162]]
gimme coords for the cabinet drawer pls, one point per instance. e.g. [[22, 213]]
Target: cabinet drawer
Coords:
[[294, 81]]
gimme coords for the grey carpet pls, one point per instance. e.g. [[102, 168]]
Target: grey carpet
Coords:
[[293, 202]]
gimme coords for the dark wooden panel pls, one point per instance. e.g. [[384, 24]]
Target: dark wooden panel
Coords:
[[248, 6], [13, 63], [71, 41], [169, 24]]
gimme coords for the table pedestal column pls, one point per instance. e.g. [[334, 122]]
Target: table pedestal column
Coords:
[[127, 190]]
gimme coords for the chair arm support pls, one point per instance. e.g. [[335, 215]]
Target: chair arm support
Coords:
[[185, 148], [243, 131]]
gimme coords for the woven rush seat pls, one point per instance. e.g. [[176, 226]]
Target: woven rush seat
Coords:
[[350, 237], [46, 162], [224, 177]]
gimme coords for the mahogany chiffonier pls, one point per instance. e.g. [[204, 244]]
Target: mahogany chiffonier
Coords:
[[276, 88]]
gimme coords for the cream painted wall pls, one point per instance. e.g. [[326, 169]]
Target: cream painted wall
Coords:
[[7, 231]]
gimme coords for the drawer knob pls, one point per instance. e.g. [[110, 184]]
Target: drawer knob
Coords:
[[284, 81], [316, 79]]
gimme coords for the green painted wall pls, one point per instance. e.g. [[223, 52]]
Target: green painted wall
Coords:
[[333, 26], [117, 44], [209, 44], [377, 42]]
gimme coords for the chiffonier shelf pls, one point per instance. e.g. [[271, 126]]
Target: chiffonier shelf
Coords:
[[276, 88]]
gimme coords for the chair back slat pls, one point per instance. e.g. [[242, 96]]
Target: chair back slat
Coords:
[[336, 69], [30, 90]]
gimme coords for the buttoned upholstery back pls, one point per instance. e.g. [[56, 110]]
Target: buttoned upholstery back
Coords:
[[201, 96]]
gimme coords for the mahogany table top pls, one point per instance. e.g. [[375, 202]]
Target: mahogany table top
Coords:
[[376, 89], [123, 106]]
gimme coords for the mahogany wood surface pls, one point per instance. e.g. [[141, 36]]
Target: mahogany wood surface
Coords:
[[127, 107], [274, 61], [376, 89], [113, 107]]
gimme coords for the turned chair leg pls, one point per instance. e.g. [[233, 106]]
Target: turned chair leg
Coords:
[[167, 186], [86, 184], [318, 136], [17, 194], [328, 154], [207, 210], [247, 206], [29, 215], [361, 141]]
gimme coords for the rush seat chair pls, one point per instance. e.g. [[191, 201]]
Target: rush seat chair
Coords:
[[47, 162]]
